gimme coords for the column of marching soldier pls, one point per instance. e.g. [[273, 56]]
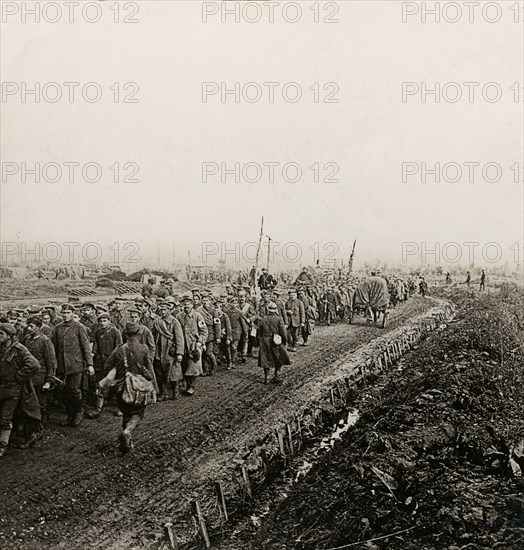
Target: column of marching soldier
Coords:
[[80, 360], [170, 340]]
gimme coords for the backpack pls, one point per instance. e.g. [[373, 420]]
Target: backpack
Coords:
[[137, 390]]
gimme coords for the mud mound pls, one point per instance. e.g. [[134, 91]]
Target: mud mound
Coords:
[[436, 460]]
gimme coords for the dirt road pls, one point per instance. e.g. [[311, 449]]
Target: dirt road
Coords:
[[75, 491]]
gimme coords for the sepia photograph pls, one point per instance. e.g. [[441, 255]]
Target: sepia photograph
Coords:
[[261, 275]]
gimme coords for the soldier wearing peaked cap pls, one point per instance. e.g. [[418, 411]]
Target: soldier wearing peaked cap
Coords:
[[195, 335], [169, 349], [74, 357], [130, 360], [17, 367], [145, 336], [42, 350], [273, 337], [107, 339], [147, 317], [47, 328], [214, 334]]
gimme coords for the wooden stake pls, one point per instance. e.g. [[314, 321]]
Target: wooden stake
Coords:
[[169, 535], [332, 397], [290, 439], [247, 485], [222, 499], [201, 523], [281, 444], [265, 462]]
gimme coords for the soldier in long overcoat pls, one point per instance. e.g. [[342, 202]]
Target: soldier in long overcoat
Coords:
[[169, 342], [74, 358], [17, 366], [273, 355], [195, 335]]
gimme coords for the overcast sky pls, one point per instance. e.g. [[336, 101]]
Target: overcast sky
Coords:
[[170, 132]]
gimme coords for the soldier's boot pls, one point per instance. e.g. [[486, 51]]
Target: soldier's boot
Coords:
[[212, 365], [172, 390], [4, 440], [276, 379], [69, 412], [125, 439], [163, 391], [33, 432], [266, 376], [45, 417], [232, 359], [78, 414], [190, 390], [95, 413]]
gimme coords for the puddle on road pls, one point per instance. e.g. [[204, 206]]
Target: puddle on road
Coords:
[[300, 467]]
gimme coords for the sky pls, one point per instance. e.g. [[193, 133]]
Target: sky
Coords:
[[357, 146]]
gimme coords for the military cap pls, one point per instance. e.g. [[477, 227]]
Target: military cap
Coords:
[[232, 299], [8, 328], [160, 301], [88, 305], [34, 320], [12, 313], [133, 310], [272, 306], [193, 290], [228, 285], [68, 307], [100, 307], [103, 315], [222, 296], [187, 298]]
